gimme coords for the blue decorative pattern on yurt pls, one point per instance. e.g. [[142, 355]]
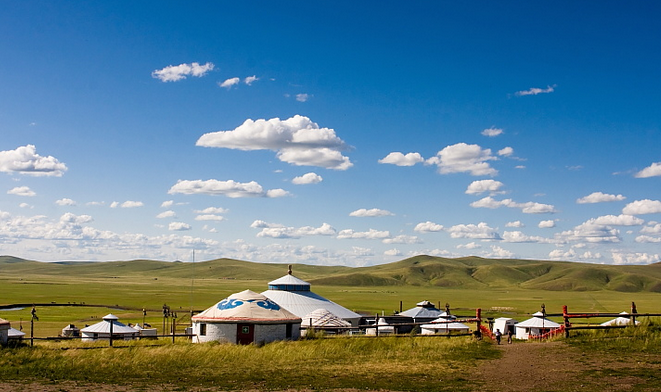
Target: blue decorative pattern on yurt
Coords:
[[233, 303]]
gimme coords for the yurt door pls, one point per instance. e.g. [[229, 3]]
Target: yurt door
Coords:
[[245, 333]]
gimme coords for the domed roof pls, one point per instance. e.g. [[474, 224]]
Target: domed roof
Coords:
[[247, 306]]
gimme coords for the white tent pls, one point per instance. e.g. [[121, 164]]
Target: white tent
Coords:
[[246, 317], [145, 332], [325, 320], [294, 295], [535, 326], [15, 334], [101, 330], [443, 325], [424, 311], [619, 321], [504, 324], [4, 331], [384, 328]]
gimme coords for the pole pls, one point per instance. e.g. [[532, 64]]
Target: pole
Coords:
[[566, 318], [32, 332], [111, 325], [478, 316], [376, 324]]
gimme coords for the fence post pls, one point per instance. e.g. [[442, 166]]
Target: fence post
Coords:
[[566, 318], [633, 311], [478, 316]]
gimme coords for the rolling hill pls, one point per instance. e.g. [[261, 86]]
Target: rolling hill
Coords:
[[466, 272]]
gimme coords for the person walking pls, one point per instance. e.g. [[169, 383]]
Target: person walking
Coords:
[[509, 337], [498, 335]]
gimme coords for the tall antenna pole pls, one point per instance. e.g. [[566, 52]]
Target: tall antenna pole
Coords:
[[192, 282]]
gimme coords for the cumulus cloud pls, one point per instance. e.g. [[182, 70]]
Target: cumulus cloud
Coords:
[[127, 204], [499, 253], [173, 73], [622, 258], [546, 224], [297, 140], [402, 239], [167, 204], [481, 186], [228, 188], [535, 91], [520, 237], [166, 214], [279, 231], [464, 158], [65, 202], [491, 132], [25, 160], [250, 80], [619, 220], [373, 212], [653, 170], [179, 226], [399, 159], [212, 210], [479, 231], [372, 234], [209, 217], [228, 83], [640, 207], [392, 252], [307, 178], [428, 227], [303, 97], [591, 232], [527, 208], [21, 191], [470, 245], [506, 152], [514, 224], [599, 197]]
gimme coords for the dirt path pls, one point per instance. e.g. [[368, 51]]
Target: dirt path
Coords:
[[552, 366]]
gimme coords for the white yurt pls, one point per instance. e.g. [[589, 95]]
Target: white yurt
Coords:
[[323, 319], [101, 330], [14, 334], [384, 328], [504, 324], [4, 331], [70, 331], [444, 325], [535, 326], [423, 312], [622, 320], [294, 295], [244, 318], [145, 332]]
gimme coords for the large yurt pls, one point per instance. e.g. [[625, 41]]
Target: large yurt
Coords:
[[444, 325], [535, 326], [322, 319], [625, 319], [423, 312], [244, 318], [101, 330], [294, 295], [4, 331]]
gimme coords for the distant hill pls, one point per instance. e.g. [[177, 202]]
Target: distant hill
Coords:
[[465, 272]]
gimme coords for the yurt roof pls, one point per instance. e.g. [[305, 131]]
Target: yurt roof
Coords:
[[3, 322], [537, 322], [301, 303], [104, 327], [420, 311], [323, 318], [15, 333], [439, 324], [247, 306], [620, 321]]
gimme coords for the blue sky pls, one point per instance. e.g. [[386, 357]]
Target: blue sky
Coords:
[[335, 134]]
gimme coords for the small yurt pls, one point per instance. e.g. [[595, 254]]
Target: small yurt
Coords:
[[15, 335], [385, 327], [244, 318], [443, 325], [324, 320], [535, 326], [423, 312], [145, 332], [70, 331], [505, 325], [294, 295], [622, 320], [4, 331], [101, 330]]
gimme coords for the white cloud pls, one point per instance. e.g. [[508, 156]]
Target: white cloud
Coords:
[[622, 258], [479, 231], [640, 207], [25, 160], [654, 170], [179, 226], [303, 97], [209, 217], [464, 158], [368, 235], [428, 227], [114, 204], [212, 210], [166, 214], [374, 212], [65, 202], [506, 152], [228, 83], [173, 73], [470, 245], [491, 132], [651, 228], [307, 178], [21, 191], [279, 231], [167, 204], [527, 208], [620, 220], [25, 205], [498, 252], [228, 188], [592, 233], [297, 140], [535, 91], [402, 239], [648, 239], [250, 80], [546, 224], [481, 186], [520, 237], [514, 224], [399, 159], [392, 252], [128, 204], [599, 197]]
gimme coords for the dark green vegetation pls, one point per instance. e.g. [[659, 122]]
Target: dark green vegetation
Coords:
[[403, 364]]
